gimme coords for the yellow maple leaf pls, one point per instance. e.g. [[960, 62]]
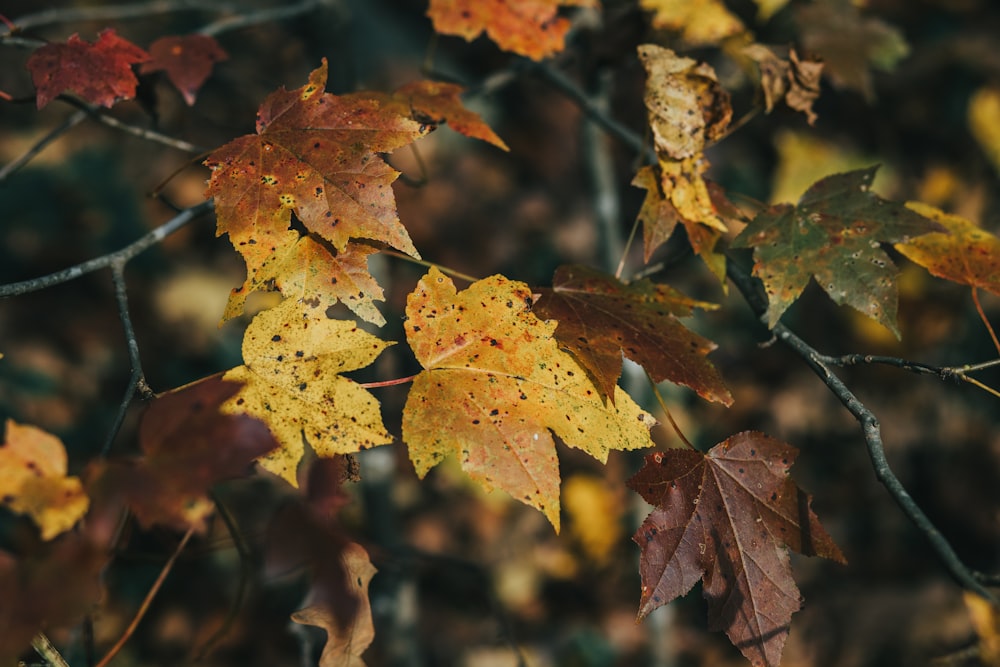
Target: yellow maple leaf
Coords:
[[984, 122], [292, 383], [496, 386], [34, 482]]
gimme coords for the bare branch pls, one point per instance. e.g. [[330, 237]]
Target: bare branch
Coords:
[[113, 13], [262, 16], [40, 145], [100, 116], [870, 427]]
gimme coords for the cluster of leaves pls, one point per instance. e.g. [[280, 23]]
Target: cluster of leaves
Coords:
[[506, 367]]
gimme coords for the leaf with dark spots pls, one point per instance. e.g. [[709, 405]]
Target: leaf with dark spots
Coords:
[[833, 234], [600, 318], [439, 102], [505, 400], [99, 72], [187, 60], [728, 518]]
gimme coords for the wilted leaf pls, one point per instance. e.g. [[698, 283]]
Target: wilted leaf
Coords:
[[600, 318], [315, 154], [848, 43], [188, 446], [188, 61], [963, 254], [33, 480], [292, 383], [495, 384], [526, 27], [833, 234], [346, 643], [794, 81], [728, 518], [307, 271], [700, 22], [984, 122], [99, 72], [436, 102]]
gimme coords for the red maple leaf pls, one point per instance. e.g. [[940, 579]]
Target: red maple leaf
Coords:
[[99, 72], [728, 518], [187, 60]]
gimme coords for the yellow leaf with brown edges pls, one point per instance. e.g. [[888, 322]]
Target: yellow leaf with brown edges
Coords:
[[965, 254], [496, 387], [33, 480], [292, 383]]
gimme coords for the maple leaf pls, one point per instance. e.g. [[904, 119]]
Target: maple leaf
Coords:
[[346, 642], [291, 381], [495, 384], [726, 517], [526, 27], [833, 234], [188, 446], [794, 81], [700, 22], [315, 154], [188, 61], [963, 254], [317, 277], [99, 72], [436, 102], [34, 482], [600, 318], [849, 43]]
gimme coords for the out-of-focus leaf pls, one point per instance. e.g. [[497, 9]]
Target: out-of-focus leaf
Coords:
[[984, 122], [187, 60], [595, 513], [33, 480], [700, 22], [986, 622], [99, 72], [728, 517], [794, 81]]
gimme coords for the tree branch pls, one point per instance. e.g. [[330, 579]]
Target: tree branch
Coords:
[[40, 145], [100, 116], [123, 255], [870, 427]]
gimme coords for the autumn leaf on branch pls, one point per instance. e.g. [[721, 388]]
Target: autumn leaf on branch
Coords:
[[188, 446], [527, 27], [496, 386], [291, 381], [187, 60], [699, 22], [436, 102], [687, 110], [316, 154], [794, 81], [728, 517], [833, 234], [34, 481], [964, 254], [600, 318], [99, 72]]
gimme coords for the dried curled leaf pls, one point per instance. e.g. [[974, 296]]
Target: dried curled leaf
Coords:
[[496, 387], [99, 72], [794, 81], [291, 381], [34, 482], [728, 518]]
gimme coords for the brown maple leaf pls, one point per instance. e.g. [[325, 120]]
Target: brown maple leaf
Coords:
[[99, 72], [526, 27], [728, 518], [600, 318], [795, 81], [188, 61]]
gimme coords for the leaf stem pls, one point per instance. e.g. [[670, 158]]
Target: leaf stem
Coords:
[[44, 647], [982, 316], [666, 411], [413, 260], [144, 607], [387, 383]]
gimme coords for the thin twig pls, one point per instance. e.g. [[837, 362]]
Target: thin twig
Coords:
[[387, 383], [421, 262], [666, 411], [105, 261], [943, 372], [144, 607], [870, 427], [97, 114], [137, 380], [40, 145], [49, 653], [109, 13], [982, 316], [261, 16]]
